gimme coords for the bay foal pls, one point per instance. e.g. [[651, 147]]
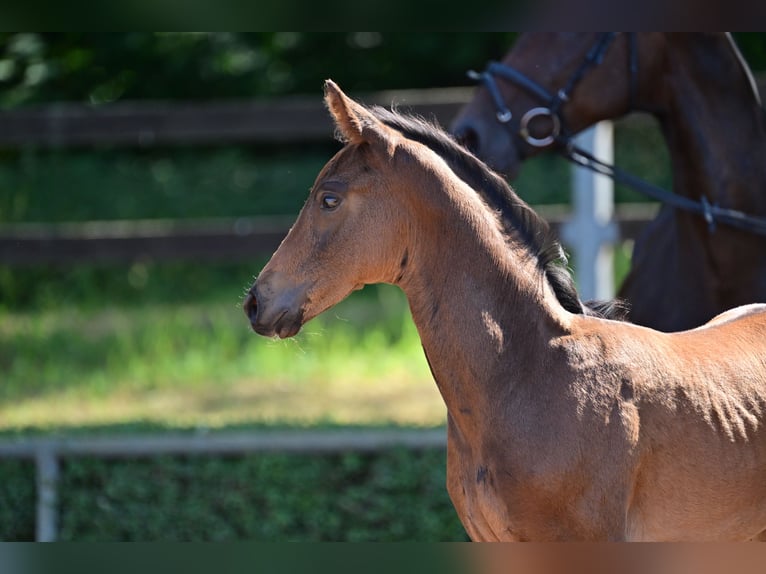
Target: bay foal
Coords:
[[562, 425]]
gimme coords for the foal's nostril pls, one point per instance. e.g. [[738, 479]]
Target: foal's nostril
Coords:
[[468, 137], [250, 306]]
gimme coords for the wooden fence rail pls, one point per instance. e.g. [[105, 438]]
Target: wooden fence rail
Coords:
[[217, 240], [292, 119], [235, 239], [296, 119]]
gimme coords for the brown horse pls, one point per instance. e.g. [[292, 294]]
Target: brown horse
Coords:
[[561, 425], [702, 93]]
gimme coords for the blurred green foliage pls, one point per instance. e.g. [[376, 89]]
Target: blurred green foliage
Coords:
[[17, 500], [102, 68], [83, 185]]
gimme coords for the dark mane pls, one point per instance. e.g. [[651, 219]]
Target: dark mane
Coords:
[[517, 217]]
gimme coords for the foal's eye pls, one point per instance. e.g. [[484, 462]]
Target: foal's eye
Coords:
[[329, 201]]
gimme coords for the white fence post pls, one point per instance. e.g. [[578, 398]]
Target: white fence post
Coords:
[[591, 231], [47, 465]]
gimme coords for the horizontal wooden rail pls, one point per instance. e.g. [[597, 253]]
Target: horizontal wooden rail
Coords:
[[289, 119], [234, 239], [224, 239], [292, 119]]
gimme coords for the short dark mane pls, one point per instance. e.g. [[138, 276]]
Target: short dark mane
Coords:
[[517, 217]]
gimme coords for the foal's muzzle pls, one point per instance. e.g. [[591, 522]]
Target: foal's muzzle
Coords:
[[274, 315]]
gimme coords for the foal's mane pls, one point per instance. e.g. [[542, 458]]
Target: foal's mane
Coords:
[[517, 217]]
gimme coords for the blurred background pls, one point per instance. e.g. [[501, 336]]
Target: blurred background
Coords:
[[144, 180]]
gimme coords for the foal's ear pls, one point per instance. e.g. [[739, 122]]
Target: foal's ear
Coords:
[[354, 122]]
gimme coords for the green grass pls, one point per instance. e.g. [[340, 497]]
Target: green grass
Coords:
[[200, 364]]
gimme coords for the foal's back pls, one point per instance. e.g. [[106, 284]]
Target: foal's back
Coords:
[[695, 402]]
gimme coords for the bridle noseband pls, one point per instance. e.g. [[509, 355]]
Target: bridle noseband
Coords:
[[562, 140], [551, 103]]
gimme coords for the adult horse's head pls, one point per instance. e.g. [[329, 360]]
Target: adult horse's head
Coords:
[[344, 235], [551, 84]]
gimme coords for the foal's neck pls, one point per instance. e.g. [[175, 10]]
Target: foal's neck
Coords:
[[483, 310]]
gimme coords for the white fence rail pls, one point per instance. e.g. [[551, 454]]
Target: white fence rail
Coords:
[[48, 453]]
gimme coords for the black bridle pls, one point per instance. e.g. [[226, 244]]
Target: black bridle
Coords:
[[561, 139]]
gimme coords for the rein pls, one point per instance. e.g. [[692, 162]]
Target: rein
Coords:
[[564, 144]]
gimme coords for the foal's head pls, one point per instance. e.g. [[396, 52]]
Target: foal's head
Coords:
[[348, 233], [370, 203]]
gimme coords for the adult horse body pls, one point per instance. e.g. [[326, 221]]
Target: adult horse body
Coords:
[[561, 425], [683, 271]]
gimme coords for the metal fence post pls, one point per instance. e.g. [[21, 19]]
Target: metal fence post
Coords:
[[47, 465], [591, 232]]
